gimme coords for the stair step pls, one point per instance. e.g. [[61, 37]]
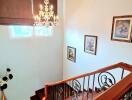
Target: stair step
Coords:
[[34, 98], [40, 93]]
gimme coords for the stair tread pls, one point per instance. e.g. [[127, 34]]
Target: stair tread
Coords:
[[34, 98], [40, 93]]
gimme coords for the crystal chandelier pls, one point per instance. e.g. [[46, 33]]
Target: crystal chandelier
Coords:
[[46, 16]]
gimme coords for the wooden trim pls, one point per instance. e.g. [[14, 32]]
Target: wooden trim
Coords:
[[121, 88]]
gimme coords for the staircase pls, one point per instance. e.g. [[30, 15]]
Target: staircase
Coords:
[[112, 82], [40, 94]]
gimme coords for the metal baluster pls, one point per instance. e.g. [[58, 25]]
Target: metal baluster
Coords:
[[93, 86], [51, 91], [88, 87], [66, 89], [83, 87], [122, 74], [54, 92], [69, 92], [63, 91], [57, 93], [72, 88]]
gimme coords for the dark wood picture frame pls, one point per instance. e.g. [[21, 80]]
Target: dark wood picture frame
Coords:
[[90, 44], [71, 53], [122, 28]]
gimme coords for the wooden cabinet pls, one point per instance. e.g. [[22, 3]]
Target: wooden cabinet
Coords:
[[20, 11]]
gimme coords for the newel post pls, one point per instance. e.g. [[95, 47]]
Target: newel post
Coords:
[[46, 92]]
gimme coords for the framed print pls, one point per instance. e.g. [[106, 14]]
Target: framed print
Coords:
[[71, 53], [122, 28], [90, 44]]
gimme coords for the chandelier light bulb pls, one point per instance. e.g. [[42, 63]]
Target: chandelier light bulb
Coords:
[[41, 7], [51, 7]]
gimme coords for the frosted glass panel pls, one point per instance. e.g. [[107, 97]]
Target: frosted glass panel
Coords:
[[18, 31], [43, 31]]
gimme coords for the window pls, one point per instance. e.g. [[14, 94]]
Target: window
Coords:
[[18, 31], [43, 31]]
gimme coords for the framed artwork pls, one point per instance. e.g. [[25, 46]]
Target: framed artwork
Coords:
[[90, 44], [122, 28], [71, 53]]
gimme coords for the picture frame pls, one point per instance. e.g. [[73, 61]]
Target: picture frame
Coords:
[[71, 53], [122, 28], [90, 44]]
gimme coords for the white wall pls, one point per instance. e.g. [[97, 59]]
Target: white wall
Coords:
[[34, 61], [93, 17]]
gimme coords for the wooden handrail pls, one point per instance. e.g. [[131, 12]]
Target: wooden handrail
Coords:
[[117, 90], [118, 65]]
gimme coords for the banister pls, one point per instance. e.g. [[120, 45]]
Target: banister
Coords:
[[117, 90], [120, 65]]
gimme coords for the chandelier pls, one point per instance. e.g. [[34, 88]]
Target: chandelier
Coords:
[[46, 15]]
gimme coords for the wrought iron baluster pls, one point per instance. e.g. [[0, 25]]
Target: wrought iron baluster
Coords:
[[63, 91], [52, 91], [55, 93], [56, 96], [70, 85], [88, 87], [72, 90], [67, 90], [76, 89], [93, 86], [83, 87], [122, 74], [106, 80]]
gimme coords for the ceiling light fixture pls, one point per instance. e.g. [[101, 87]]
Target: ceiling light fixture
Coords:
[[46, 15]]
